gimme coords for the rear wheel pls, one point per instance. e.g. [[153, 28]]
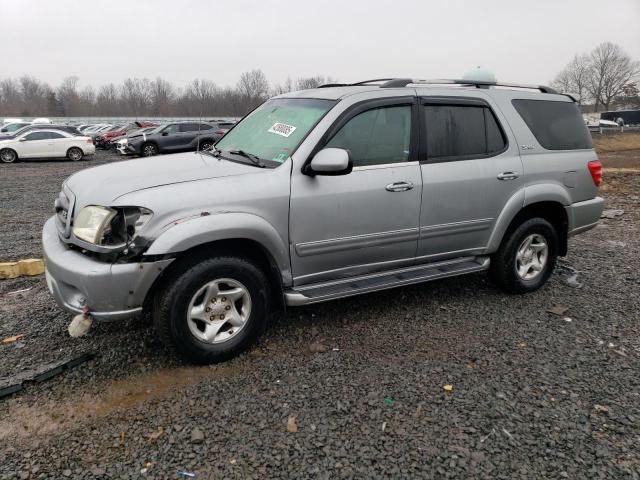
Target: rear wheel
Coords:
[[8, 156], [75, 154], [206, 145], [149, 150], [212, 310], [526, 258]]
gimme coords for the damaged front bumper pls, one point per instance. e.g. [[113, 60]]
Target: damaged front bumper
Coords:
[[81, 284]]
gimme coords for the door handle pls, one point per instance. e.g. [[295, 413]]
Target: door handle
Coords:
[[508, 176], [399, 187]]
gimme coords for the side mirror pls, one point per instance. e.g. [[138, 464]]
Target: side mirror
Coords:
[[23, 139], [164, 134], [330, 161]]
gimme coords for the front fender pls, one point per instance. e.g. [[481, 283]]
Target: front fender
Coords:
[[224, 226]]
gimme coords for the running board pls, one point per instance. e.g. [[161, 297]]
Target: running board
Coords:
[[320, 292]]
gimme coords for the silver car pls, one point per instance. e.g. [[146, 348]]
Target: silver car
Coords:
[[322, 194]]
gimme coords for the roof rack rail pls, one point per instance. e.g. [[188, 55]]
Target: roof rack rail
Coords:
[[403, 82]]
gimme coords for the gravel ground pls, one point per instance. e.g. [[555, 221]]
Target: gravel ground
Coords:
[[362, 380]]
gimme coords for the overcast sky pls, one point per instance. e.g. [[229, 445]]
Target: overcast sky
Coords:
[[108, 41]]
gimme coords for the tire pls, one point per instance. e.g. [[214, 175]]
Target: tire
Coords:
[[186, 293], [206, 145], [75, 154], [149, 150], [516, 269], [8, 156], [620, 121]]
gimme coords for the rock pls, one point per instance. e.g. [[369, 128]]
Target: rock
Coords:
[[97, 471], [197, 437], [24, 475], [613, 213], [317, 348], [66, 472]]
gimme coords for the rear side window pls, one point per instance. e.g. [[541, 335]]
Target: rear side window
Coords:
[[458, 132], [556, 125]]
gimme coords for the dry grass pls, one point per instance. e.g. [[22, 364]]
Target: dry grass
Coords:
[[617, 142]]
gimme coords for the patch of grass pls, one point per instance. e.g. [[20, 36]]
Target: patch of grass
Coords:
[[617, 142]]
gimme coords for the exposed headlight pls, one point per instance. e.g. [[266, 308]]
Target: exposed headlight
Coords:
[[110, 227], [91, 223]]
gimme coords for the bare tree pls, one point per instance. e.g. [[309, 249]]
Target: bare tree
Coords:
[[305, 83], [107, 101], [253, 87], [574, 78], [162, 96], [611, 71], [68, 95]]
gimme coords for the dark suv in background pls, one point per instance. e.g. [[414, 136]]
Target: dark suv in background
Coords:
[[173, 137]]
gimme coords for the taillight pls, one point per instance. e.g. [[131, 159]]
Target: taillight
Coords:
[[595, 169], [219, 132]]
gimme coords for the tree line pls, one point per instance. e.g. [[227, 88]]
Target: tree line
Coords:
[[605, 77], [138, 97]]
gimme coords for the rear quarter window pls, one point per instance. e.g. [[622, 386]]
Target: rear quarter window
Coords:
[[556, 125]]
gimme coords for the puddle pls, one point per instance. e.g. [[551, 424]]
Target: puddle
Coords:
[[40, 419]]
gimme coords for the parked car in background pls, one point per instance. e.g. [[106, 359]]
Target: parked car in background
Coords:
[[323, 194], [95, 128], [41, 120], [10, 120], [46, 144], [102, 139], [9, 128], [222, 126], [622, 117], [64, 128], [173, 137], [120, 143]]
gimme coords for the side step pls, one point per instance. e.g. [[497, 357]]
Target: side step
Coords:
[[320, 292]]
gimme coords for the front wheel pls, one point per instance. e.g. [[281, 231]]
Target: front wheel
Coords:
[[211, 311], [526, 258]]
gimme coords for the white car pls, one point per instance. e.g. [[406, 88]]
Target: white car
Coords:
[[46, 144], [41, 120]]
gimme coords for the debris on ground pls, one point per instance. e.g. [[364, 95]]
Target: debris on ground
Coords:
[[572, 281], [80, 325], [292, 426], [612, 213], [388, 401], [12, 339], [448, 388], [616, 243], [14, 384], [558, 310], [153, 436], [317, 348], [185, 474], [197, 436], [22, 290]]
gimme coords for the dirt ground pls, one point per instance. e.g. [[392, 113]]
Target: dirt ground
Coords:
[[533, 394]]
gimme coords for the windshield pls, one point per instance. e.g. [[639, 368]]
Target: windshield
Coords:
[[275, 129]]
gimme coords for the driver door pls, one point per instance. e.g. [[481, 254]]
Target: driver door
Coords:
[[368, 219]]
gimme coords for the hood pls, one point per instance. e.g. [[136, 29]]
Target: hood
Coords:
[[104, 184]]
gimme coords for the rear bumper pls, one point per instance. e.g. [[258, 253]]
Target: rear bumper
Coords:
[[78, 282], [583, 216]]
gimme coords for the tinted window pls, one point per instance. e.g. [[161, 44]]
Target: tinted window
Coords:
[[462, 131], [377, 136], [170, 129], [556, 125], [37, 136], [55, 135], [189, 127]]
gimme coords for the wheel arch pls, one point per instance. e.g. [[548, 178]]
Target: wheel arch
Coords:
[[13, 150]]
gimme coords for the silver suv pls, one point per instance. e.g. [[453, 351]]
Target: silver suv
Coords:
[[323, 194]]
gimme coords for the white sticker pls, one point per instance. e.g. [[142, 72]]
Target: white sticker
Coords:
[[282, 129]]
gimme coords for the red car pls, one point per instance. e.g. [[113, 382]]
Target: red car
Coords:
[[102, 140]]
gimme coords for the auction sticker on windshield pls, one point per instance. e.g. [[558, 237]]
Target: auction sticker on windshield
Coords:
[[282, 129]]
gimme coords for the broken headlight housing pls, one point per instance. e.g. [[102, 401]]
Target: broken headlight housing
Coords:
[[113, 228]]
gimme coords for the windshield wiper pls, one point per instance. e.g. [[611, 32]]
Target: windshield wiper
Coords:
[[254, 158]]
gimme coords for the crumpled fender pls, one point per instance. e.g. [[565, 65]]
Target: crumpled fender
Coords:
[[197, 231]]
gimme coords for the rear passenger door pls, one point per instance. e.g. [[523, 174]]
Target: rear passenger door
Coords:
[[470, 168], [188, 135]]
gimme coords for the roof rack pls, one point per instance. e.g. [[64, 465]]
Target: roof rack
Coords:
[[403, 82]]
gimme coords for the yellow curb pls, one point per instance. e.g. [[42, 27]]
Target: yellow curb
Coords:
[[29, 267]]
